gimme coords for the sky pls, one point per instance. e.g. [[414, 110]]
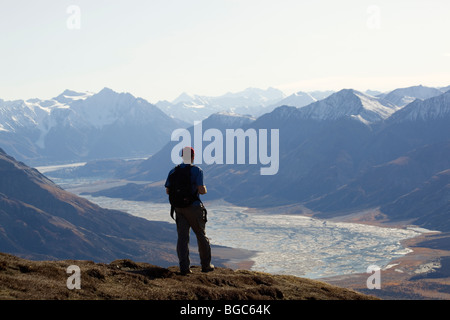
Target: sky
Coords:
[[158, 49]]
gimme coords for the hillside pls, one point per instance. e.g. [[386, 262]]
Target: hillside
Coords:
[[128, 280], [40, 220]]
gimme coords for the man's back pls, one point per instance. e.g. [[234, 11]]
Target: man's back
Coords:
[[196, 180]]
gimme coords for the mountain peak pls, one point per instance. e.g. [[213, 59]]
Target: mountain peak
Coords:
[[68, 96], [404, 96], [298, 99], [350, 103], [69, 92], [432, 108], [107, 92], [183, 97]]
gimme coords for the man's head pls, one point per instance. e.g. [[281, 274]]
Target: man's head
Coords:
[[187, 153]]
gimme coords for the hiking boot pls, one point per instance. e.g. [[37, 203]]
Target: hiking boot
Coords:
[[208, 269], [185, 272]]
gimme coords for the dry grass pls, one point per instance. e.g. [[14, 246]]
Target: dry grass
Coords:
[[127, 280]]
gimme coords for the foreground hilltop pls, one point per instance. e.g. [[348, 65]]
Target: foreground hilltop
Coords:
[[127, 280]]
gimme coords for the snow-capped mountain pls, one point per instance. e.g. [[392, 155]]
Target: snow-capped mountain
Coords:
[[81, 126], [429, 109], [228, 120], [192, 108], [298, 99], [445, 89], [348, 152], [349, 103], [404, 96], [69, 96]]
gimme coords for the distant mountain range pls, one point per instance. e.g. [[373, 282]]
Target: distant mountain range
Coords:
[[251, 101], [347, 152], [83, 126], [339, 151]]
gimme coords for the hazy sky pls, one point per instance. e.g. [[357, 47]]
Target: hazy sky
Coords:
[[159, 49]]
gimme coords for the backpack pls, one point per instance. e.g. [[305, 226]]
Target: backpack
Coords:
[[180, 190]]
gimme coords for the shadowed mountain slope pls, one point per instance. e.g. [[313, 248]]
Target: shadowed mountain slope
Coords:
[[39, 220]]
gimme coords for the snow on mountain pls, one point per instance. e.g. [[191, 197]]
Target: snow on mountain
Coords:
[[319, 95], [84, 124], [252, 97], [184, 97], [196, 108], [404, 96], [445, 89], [103, 108], [227, 120], [298, 99], [373, 93], [69, 96], [433, 108], [349, 103]]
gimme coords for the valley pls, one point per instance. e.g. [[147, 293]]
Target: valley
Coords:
[[358, 178]]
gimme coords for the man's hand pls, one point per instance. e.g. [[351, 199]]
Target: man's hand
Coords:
[[202, 189]]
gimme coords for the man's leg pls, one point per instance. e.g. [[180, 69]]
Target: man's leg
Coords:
[[198, 225], [183, 229]]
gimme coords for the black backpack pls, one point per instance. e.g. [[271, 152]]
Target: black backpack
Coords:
[[180, 187]]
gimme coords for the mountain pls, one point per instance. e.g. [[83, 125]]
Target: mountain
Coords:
[[39, 220], [69, 96], [408, 153], [434, 108], [157, 166], [347, 152], [404, 96], [384, 183], [298, 99], [445, 89], [83, 126], [251, 101], [319, 95], [308, 144], [350, 103], [428, 204]]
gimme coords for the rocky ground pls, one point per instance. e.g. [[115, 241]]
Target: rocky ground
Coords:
[[22, 279]]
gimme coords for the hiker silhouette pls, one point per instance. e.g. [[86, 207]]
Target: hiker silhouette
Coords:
[[184, 185]]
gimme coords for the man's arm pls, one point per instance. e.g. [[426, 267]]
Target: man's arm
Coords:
[[202, 189]]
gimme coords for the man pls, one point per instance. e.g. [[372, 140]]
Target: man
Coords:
[[193, 216]]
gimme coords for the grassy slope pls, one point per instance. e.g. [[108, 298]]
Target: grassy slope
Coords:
[[126, 280]]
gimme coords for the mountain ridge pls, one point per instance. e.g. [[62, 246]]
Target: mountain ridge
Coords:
[[77, 126], [39, 219], [325, 159], [124, 279]]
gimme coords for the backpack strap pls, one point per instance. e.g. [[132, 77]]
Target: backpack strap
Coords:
[[172, 210]]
